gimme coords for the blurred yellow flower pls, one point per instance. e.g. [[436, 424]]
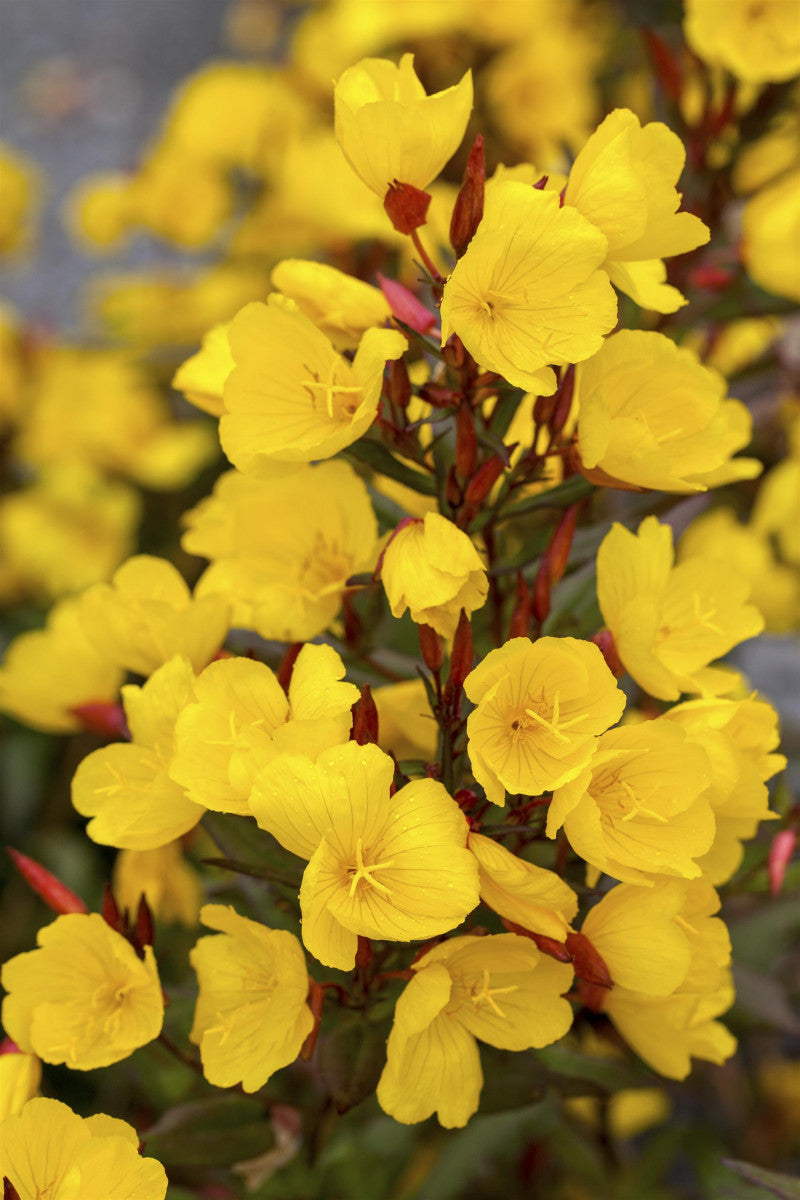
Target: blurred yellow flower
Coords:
[[406, 726], [171, 887], [19, 185], [759, 42], [251, 1017], [771, 237], [389, 129], [83, 998]]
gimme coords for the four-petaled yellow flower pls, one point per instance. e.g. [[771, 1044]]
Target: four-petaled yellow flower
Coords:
[[83, 998], [391, 867], [251, 1017], [539, 709], [292, 398], [497, 989], [389, 129]]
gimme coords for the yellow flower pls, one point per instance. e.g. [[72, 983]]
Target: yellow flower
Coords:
[[406, 725], [771, 237], [125, 788], [49, 672], [669, 621], [739, 737], [389, 129], [20, 1076], [171, 887], [251, 1017], [777, 505], [13, 368], [341, 307], [522, 892], [49, 1151], [240, 718], [432, 568], [202, 377], [147, 614], [497, 989], [623, 181], [539, 709], [528, 291], [651, 415], [638, 809], [96, 407], [285, 575], [65, 532], [759, 43], [395, 868], [775, 587], [98, 212], [291, 397], [83, 998], [18, 187]]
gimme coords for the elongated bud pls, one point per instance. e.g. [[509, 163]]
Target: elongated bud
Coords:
[[286, 666], [484, 480], [353, 625], [144, 929], [438, 395], [406, 307], [466, 442], [431, 647], [104, 718], [406, 206], [316, 999], [780, 855], [549, 946], [453, 352], [543, 408], [521, 616], [563, 404], [399, 388], [665, 63], [9, 1191], [540, 596], [462, 654], [468, 208], [109, 910], [452, 488], [54, 893], [591, 972], [604, 640], [554, 561], [364, 952], [365, 718]]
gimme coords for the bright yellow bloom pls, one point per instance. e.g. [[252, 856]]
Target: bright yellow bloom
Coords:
[[125, 788], [147, 614], [49, 1151], [171, 887], [497, 989], [623, 181], [432, 568], [395, 868], [528, 292], [83, 998], [647, 937], [20, 1076], [739, 737], [66, 531], [240, 718], [651, 415], [96, 407], [202, 377], [669, 621], [251, 1017], [774, 586], [638, 809], [771, 237], [292, 397], [389, 129], [522, 892], [759, 43], [283, 548], [48, 672], [406, 725], [341, 307], [539, 709], [18, 187]]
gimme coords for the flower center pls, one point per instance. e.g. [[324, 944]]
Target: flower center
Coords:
[[363, 872], [341, 400], [529, 717], [483, 996]]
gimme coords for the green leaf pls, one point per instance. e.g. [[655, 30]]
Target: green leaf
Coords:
[[350, 1059], [767, 1183], [248, 849], [561, 496], [377, 456], [211, 1133]]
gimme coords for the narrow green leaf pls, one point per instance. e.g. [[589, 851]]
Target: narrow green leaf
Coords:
[[769, 1183], [381, 459]]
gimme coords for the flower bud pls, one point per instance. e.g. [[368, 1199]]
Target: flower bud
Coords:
[[406, 307], [468, 208], [604, 640], [399, 387], [521, 615], [780, 855], [466, 442], [103, 718], [54, 893], [406, 206], [593, 979], [462, 654], [484, 480], [365, 718], [431, 647]]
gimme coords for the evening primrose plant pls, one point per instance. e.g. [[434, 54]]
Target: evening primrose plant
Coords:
[[439, 746]]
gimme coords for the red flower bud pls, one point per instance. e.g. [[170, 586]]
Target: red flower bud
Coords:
[[110, 912], [399, 386], [431, 647], [541, 184], [144, 928], [9, 1191], [462, 654], [286, 665], [604, 640], [563, 401], [780, 855], [484, 480], [468, 208], [406, 206], [521, 616], [543, 408], [665, 63], [103, 717], [365, 718], [439, 396], [711, 278], [540, 602], [452, 488], [54, 893], [406, 306], [466, 442]]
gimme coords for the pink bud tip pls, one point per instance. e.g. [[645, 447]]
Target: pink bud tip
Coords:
[[405, 305], [44, 883]]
